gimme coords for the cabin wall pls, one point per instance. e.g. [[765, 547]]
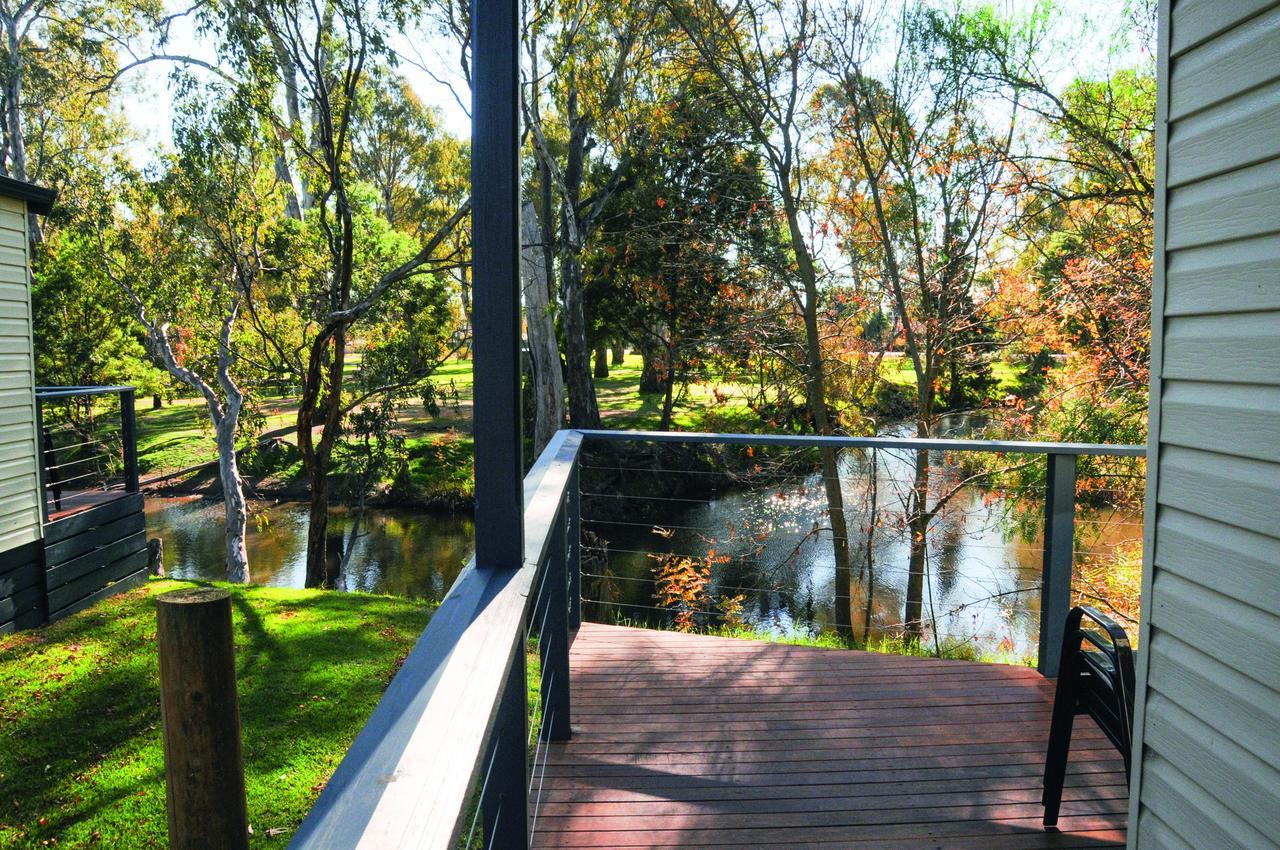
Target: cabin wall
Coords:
[[1207, 728], [19, 476]]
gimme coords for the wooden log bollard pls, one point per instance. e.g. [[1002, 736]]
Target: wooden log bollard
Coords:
[[203, 766]]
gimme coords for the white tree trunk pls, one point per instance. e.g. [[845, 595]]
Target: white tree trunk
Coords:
[[233, 502], [548, 380], [224, 413]]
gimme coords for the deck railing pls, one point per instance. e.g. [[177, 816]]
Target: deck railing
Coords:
[[88, 446], [1058, 495], [452, 755], [448, 758]]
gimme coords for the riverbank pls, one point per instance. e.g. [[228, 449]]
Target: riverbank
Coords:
[[883, 645], [176, 449], [81, 758]]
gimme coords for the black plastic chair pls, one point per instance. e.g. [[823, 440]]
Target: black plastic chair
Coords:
[[1094, 678]]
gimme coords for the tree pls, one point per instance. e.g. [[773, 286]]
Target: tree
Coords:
[[327, 53], [399, 149], [547, 377], [603, 112], [82, 335], [761, 52], [919, 164], [1085, 220], [677, 253], [217, 199], [51, 54]]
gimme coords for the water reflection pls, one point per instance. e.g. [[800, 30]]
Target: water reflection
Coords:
[[982, 582], [400, 552], [770, 545]]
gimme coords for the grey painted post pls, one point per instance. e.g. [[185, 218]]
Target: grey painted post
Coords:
[[573, 518], [43, 466], [505, 807], [1059, 557], [129, 436], [553, 641], [495, 251]]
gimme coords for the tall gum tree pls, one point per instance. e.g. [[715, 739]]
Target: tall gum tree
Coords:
[[331, 50], [604, 87], [188, 257], [920, 161], [762, 52]]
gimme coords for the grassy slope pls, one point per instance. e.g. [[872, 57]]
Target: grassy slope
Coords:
[[179, 436], [81, 759], [439, 445], [898, 370]]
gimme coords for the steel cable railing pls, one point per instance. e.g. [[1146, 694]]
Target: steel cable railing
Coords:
[[986, 552], [88, 446]]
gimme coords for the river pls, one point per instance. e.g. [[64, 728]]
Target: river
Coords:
[[399, 552], [771, 546], [765, 544]]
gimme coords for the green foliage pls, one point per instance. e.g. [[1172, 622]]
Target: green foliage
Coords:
[[82, 335], [415, 169]]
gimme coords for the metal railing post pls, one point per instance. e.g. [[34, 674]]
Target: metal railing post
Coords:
[[553, 640], [129, 436], [43, 453], [1059, 558], [505, 804], [573, 520]]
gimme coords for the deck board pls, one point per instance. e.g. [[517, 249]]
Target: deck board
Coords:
[[691, 741]]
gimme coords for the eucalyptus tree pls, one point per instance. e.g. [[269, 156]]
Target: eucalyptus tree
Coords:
[[1085, 190], [399, 147], [53, 55], [75, 141], [919, 153], [600, 68], [763, 54], [188, 254], [342, 281]]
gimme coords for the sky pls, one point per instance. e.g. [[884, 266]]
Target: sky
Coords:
[[147, 94], [1081, 35]]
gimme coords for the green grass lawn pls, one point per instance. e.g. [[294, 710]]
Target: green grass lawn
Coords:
[[1008, 376], [81, 758], [179, 436], [622, 405]]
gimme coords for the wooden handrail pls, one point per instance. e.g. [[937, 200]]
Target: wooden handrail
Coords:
[[408, 777]]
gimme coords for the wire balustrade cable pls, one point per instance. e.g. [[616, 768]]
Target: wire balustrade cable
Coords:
[[774, 492]]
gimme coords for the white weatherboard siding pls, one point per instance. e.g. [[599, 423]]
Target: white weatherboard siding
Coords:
[[1208, 720], [19, 478]]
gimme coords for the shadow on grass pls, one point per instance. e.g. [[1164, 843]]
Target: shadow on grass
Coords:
[[81, 747]]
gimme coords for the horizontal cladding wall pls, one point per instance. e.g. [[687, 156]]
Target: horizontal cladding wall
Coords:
[[19, 476], [95, 553], [1210, 774], [21, 587]]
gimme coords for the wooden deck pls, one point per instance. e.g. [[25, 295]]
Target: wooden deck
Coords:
[[72, 502], [687, 741]]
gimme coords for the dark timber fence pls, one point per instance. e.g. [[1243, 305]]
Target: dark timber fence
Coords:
[[454, 753], [94, 537]]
